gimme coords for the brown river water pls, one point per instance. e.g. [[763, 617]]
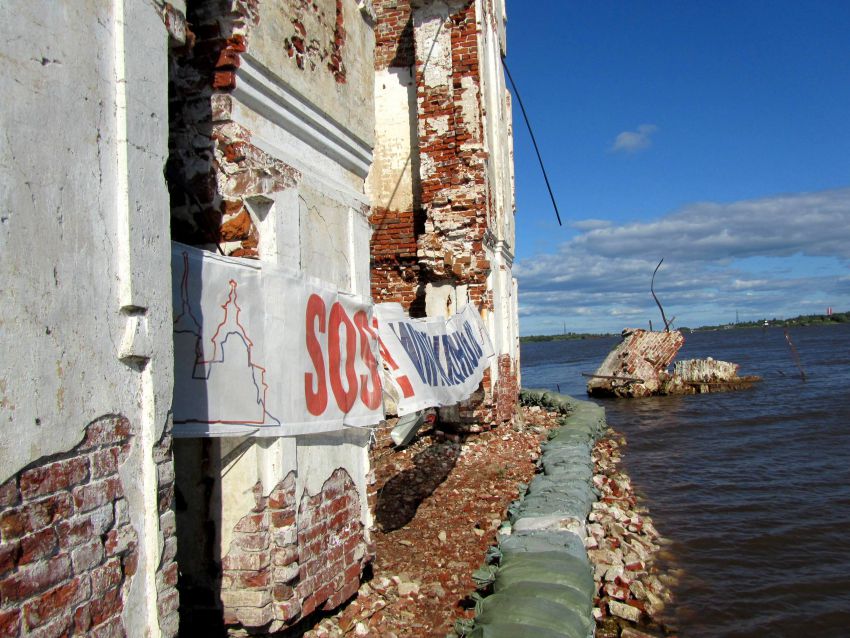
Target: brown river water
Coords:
[[752, 487]]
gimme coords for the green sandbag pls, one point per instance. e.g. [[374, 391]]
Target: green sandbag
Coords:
[[580, 605], [562, 490], [543, 541], [554, 505], [576, 574], [572, 451], [513, 630], [532, 612], [567, 435], [544, 507], [566, 472], [557, 485], [554, 558]]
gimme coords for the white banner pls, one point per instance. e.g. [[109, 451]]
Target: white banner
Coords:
[[432, 361], [262, 351]]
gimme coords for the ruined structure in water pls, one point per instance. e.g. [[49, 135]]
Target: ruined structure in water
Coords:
[[639, 367]]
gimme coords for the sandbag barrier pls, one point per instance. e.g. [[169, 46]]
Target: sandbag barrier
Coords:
[[538, 582]]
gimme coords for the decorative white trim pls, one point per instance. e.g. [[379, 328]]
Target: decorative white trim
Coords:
[[263, 92], [502, 249]]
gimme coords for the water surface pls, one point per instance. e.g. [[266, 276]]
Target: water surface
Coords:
[[752, 487]]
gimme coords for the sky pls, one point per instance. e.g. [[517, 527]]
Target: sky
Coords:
[[714, 135]]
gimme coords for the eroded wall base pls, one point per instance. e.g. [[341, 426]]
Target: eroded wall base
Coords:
[[289, 558], [69, 551]]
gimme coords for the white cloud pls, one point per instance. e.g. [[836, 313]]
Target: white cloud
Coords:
[[814, 224], [763, 257], [591, 224], [634, 141]]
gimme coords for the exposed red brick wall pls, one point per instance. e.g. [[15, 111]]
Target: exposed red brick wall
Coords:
[[288, 559], [332, 548], [449, 231], [395, 265], [393, 34], [167, 599], [450, 225], [68, 550], [454, 195], [642, 355], [506, 392], [335, 64]]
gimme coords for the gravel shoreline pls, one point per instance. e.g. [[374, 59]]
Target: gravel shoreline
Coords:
[[623, 546]]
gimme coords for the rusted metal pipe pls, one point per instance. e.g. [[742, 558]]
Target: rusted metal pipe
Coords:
[[605, 376]]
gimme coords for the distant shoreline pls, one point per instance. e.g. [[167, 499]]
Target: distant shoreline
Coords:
[[800, 320]]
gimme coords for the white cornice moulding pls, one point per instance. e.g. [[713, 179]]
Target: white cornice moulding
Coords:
[[266, 94], [503, 248]]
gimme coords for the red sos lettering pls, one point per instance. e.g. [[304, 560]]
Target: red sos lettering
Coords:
[[344, 338]]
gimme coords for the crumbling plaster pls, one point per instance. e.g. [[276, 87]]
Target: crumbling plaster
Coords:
[[315, 23], [311, 118], [86, 325]]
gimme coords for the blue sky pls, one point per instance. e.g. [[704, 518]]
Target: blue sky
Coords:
[[713, 134]]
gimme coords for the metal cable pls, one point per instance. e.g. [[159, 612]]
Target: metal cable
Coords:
[[533, 141]]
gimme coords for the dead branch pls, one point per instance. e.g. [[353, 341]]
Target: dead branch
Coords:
[[652, 290]]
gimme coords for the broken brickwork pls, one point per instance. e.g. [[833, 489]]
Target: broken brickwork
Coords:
[[317, 37], [395, 263], [167, 597], [214, 168], [288, 559], [638, 365], [393, 34], [68, 549], [441, 238], [452, 157], [507, 389], [444, 232]]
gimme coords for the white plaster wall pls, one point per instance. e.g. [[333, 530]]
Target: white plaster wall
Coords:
[[349, 103], [293, 128], [434, 41], [324, 239], [498, 140], [85, 326], [444, 300], [498, 130], [390, 183], [319, 226]]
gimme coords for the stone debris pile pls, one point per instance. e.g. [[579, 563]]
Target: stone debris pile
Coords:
[[623, 544], [438, 502], [576, 554]]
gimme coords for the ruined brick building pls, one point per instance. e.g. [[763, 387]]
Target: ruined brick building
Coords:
[[365, 145], [442, 180]]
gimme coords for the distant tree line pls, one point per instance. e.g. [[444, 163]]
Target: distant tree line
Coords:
[[800, 320], [567, 336]]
